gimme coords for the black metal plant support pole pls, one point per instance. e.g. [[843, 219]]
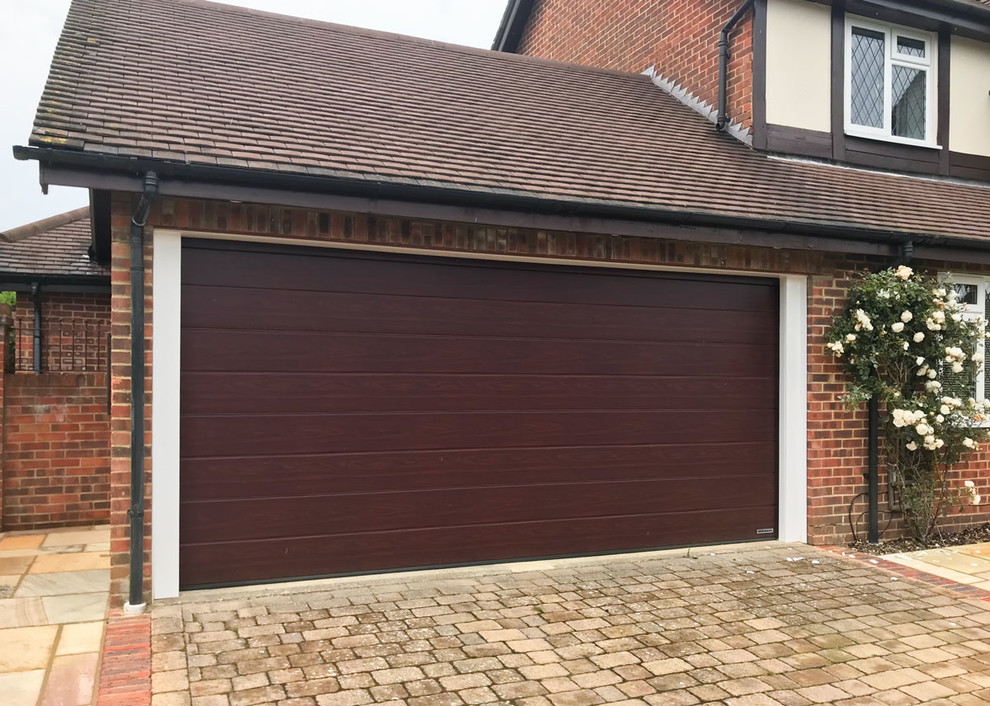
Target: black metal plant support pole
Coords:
[[873, 473]]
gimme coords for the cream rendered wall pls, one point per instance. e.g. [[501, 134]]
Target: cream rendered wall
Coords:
[[799, 71], [969, 97]]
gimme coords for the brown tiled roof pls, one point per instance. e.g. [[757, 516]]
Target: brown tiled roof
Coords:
[[53, 247], [203, 83]]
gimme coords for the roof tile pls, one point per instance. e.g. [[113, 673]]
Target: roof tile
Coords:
[[57, 246], [297, 96]]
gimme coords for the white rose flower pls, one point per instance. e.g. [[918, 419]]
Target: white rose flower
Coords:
[[920, 360], [969, 483], [976, 499], [978, 357], [939, 443], [932, 374], [944, 409], [919, 337], [957, 367], [905, 345], [933, 385], [957, 317], [911, 446], [850, 337], [906, 316], [904, 272], [897, 328], [863, 321]]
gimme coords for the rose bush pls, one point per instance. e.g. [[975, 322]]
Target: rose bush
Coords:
[[908, 340]]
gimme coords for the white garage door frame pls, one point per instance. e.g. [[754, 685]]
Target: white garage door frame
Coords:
[[166, 368]]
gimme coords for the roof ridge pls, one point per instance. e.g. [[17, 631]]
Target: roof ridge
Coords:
[[381, 34], [30, 230]]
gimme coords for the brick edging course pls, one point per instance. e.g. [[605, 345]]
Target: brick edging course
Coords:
[[125, 672], [907, 572]]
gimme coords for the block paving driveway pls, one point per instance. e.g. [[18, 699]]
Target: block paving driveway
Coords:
[[749, 624]]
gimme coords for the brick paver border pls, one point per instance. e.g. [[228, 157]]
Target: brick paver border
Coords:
[[125, 673], [907, 572]]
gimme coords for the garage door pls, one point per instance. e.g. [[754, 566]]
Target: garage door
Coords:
[[348, 412]]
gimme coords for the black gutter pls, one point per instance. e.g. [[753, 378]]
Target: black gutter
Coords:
[[97, 282], [36, 300], [723, 64], [135, 603], [127, 168]]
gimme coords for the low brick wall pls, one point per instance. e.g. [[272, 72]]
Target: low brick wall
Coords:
[[56, 450]]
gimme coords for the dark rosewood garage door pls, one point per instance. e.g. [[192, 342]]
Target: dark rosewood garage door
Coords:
[[347, 412]]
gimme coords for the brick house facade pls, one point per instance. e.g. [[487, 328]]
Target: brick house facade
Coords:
[[672, 37], [837, 438], [546, 165]]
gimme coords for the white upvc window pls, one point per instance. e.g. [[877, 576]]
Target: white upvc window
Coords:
[[889, 82], [973, 295]]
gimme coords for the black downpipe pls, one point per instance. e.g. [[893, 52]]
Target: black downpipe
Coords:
[[723, 64], [36, 301], [873, 480], [136, 511], [904, 254]]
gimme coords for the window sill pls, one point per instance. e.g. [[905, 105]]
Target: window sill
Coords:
[[892, 139]]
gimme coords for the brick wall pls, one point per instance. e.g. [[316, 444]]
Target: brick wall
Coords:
[[55, 461], [836, 437], [677, 37], [74, 328]]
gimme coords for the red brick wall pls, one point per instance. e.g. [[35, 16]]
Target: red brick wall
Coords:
[[74, 328], [678, 37], [55, 464], [836, 437]]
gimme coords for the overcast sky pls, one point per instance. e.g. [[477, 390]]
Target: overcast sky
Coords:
[[29, 30]]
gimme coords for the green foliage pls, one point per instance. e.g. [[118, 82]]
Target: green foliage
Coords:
[[906, 339], [8, 298]]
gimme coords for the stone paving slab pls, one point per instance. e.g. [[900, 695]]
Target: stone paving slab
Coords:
[[54, 587], [968, 564], [745, 626]]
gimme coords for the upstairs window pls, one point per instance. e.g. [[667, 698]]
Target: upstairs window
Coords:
[[890, 83]]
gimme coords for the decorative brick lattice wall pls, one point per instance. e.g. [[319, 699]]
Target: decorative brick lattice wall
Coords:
[[73, 326], [677, 37]]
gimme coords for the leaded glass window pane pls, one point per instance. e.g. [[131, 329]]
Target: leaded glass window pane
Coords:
[[866, 84], [910, 47], [908, 95], [967, 293]]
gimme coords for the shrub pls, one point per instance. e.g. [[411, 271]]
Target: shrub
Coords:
[[906, 339]]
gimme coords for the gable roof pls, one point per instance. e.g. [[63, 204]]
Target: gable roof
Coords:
[[290, 97], [56, 247]]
